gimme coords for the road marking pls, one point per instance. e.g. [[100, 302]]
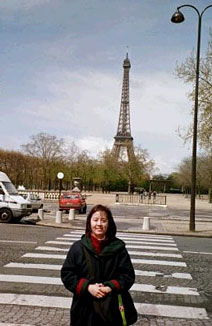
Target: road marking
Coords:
[[51, 248], [3, 324], [14, 241], [135, 253], [66, 243], [158, 262], [137, 242], [154, 236], [134, 260], [49, 256], [34, 266], [136, 287], [137, 272], [126, 238], [65, 239], [30, 279], [147, 239], [60, 242], [119, 234], [142, 308], [154, 254], [198, 252], [35, 300], [162, 275], [58, 268], [145, 236], [171, 311], [151, 243], [167, 289], [151, 247]]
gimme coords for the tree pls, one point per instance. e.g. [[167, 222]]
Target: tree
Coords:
[[204, 175], [45, 146], [21, 168], [109, 173], [205, 162], [187, 72], [138, 168], [49, 149], [44, 157], [119, 174]]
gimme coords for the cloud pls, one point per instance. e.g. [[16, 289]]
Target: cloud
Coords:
[[22, 4], [160, 102], [84, 106], [89, 101], [82, 103], [92, 144]]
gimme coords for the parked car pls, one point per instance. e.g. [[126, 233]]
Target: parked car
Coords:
[[35, 200], [74, 200]]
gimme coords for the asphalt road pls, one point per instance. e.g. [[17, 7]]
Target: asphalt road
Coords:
[[18, 241], [140, 211]]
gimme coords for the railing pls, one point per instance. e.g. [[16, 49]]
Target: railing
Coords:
[[48, 195], [120, 198], [141, 199]]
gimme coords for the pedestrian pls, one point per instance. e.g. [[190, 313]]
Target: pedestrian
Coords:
[[99, 273], [154, 195]]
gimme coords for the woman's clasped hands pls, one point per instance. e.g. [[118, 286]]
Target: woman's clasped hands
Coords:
[[99, 290]]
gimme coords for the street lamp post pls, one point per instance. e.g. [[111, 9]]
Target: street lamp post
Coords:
[[60, 176], [179, 18]]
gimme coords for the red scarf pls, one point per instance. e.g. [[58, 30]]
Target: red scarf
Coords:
[[98, 244]]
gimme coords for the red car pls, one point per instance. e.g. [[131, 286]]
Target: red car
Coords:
[[72, 200]]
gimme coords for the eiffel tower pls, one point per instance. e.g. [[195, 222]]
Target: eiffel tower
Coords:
[[123, 145]]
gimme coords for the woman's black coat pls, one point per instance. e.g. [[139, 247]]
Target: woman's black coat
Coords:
[[113, 263]]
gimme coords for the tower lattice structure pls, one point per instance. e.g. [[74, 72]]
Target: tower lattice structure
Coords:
[[123, 144]]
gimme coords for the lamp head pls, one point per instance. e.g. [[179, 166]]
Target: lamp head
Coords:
[[177, 17]]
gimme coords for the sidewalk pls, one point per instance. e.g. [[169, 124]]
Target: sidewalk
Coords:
[[158, 224]]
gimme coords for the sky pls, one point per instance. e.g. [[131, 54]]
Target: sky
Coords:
[[61, 72]]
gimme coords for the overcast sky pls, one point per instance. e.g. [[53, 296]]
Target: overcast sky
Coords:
[[61, 72]]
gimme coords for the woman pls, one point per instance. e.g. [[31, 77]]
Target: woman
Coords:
[[97, 270]]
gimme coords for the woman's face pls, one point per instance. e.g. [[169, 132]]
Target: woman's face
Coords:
[[99, 224]]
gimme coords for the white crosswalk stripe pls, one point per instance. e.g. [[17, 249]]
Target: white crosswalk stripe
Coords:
[[155, 254], [144, 309], [137, 272], [155, 273], [150, 254], [67, 243], [6, 324], [137, 242], [158, 262], [57, 281], [67, 236], [122, 234], [34, 266], [151, 247], [133, 253]]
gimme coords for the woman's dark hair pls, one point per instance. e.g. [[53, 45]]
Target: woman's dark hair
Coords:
[[111, 231]]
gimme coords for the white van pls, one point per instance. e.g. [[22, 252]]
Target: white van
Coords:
[[12, 205]]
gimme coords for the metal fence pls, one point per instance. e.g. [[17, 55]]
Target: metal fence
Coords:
[[141, 199], [119, 198]]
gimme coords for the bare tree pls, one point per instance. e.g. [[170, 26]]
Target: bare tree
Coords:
[[45, 146], [49, 149]]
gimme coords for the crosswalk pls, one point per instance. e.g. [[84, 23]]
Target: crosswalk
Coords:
[[162, 277]]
